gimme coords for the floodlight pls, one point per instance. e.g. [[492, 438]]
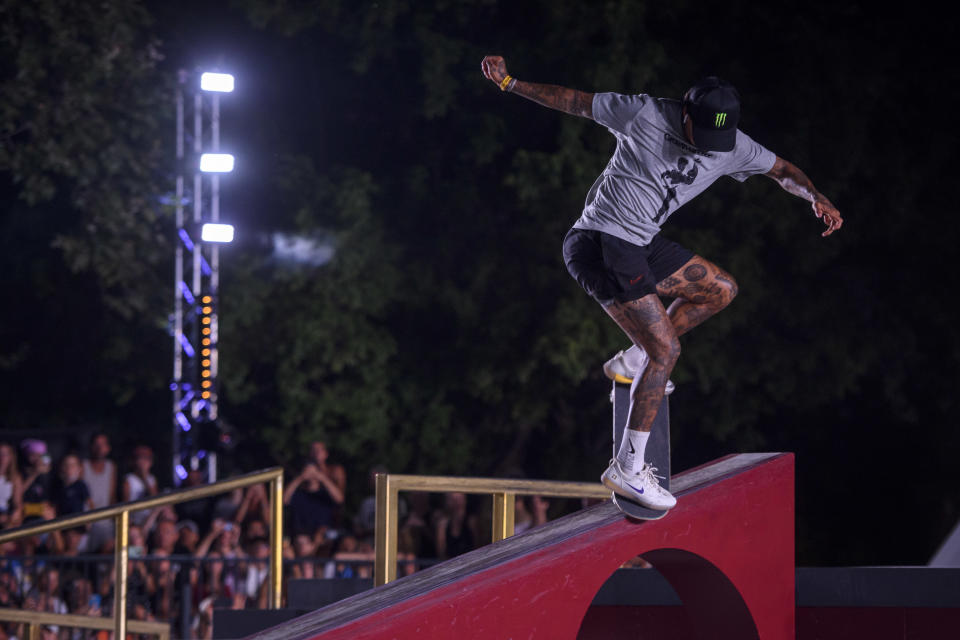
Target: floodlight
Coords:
[[217, 232], [216, 163], [221, 82]]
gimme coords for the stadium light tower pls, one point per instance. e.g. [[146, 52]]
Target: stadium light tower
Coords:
[[197, 272]]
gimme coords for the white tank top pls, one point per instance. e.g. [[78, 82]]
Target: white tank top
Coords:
[[6, 493], [99, 483]]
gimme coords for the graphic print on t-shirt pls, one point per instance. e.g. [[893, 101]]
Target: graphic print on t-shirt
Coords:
[[674, 177]]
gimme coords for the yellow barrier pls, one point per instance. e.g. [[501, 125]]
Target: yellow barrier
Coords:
[[35, 619], [121, 516], [504, 492]]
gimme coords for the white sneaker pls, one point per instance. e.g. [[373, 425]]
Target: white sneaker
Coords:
[[624, 366], [642, 487]]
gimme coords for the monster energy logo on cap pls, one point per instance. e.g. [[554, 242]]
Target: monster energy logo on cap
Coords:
[[714, 107]]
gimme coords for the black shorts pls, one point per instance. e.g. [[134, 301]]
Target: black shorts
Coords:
[[609, 268]]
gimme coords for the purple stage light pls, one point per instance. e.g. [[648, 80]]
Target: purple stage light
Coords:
[[185, 401], [185, 290], [181, 472], [187, 242], [182, 421], [187, 347]]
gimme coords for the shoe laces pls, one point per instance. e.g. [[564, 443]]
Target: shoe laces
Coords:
[[648, 474], [649, 470]]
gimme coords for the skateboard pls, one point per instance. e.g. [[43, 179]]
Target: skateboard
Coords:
[[657, 454]]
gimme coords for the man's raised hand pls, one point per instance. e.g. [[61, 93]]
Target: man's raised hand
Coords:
[[494, 68]]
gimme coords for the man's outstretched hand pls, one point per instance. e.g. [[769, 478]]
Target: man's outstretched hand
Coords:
[[494, 68], [794, 181], [830, 216]]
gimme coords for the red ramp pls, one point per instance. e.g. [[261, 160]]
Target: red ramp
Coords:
[[726, 548]]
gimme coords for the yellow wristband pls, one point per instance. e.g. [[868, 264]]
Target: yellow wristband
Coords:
[[505, 82]]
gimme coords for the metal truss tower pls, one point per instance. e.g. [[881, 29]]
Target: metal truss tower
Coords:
[[196, 278]]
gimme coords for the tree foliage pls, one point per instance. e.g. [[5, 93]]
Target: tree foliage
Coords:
[[80, 150]]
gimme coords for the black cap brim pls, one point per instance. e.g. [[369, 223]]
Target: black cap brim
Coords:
[[710, 139]]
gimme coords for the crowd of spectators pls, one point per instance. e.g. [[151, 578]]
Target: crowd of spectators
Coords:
[[207, 553]]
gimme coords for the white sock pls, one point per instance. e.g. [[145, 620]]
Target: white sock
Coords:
[[632, 449]]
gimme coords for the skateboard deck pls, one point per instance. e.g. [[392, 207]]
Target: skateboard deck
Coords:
[[657, 453]]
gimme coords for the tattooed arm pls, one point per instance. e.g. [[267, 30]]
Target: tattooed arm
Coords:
[[577, 103], [795, 181]]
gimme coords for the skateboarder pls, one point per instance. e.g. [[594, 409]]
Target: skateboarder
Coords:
[[667, 152]]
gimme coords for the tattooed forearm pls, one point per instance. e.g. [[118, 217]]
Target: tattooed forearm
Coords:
[[577, 103], [795, 181]]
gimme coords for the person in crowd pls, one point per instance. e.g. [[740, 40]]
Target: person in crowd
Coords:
[[140, 482], [99, 473], [253, 530], [38, 479], [406, 552], [365, 522], [10, 596], [71, 495], [82, 600], [522, 516], [226, 506], [76, 541], [162, 592], [188, 538], [200, 511], [350, 560], [224, 578], [315, 495], [305, 550], [45, 596], [165, 537], [137, 542], [187, 544], [11, 488], [531, 511], [256, 588], [419, 526], [320, 456], [140, 582], [456, 530], [255, 506]]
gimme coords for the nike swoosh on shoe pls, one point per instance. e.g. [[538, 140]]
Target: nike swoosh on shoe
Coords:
[[633, 487]]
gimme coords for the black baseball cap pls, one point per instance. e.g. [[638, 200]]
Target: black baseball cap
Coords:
[[714, 108]]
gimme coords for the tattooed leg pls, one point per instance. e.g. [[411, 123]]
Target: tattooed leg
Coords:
[[647, 324], [701, 289]]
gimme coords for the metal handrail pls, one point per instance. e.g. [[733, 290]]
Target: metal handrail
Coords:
[[121, 515], [35, 619], [504, 492]]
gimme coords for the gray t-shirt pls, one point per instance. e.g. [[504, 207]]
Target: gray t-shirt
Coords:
[[654, 170]]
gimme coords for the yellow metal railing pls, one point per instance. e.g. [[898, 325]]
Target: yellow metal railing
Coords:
[[504, 492], [36, 619], [121, 517]]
